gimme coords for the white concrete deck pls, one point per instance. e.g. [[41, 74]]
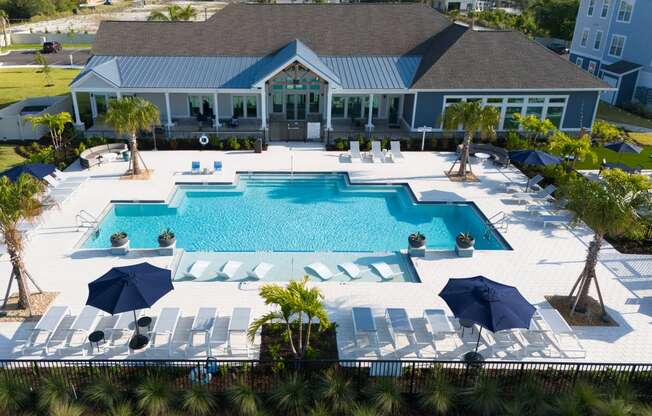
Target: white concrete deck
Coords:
[[543, 262]]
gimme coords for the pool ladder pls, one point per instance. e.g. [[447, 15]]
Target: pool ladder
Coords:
[[85, 219], [498, 222]]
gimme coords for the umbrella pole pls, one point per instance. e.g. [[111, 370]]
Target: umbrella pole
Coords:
[[136, 325], [477, 344]]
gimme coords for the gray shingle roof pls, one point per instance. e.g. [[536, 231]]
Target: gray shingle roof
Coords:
[[621, 67]]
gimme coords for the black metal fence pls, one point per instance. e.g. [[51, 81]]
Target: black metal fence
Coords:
[[264, 376]]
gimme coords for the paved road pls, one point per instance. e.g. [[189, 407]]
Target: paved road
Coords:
[[79, 57]]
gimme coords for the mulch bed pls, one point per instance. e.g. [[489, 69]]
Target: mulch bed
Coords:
[[40, 303], [626, 246], [592, 317], [454, 177], [323, 343], [142, 176]]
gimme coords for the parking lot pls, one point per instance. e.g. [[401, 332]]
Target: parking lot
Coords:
[[79, 57]]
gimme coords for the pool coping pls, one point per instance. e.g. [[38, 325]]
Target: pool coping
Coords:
[[345, 174]]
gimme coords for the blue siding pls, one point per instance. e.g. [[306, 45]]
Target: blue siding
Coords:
[[626, 90], [408, 103], [429, 109], [585, 62], [580, 109]]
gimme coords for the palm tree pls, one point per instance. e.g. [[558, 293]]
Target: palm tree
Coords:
[[578, 148], [473, 117], [4, 25], [293, 302], [19, 201], [55, 123], [175, 13], [608, 207], [130, 115]]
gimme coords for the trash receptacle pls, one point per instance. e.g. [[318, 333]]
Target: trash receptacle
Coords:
[[258, 146]]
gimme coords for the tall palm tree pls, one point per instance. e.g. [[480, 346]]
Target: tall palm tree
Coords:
[[130, 115], [4, 26], [473, 117], [175, 13], [608, 207], [55, 123], [19, 201], [292, 303]]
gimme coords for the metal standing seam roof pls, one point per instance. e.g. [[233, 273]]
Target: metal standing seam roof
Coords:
[[347, 72]]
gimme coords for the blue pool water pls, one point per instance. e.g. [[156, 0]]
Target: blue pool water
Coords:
[[302, 213]]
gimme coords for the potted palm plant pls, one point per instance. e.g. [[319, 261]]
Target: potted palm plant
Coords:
[[166, 238], [417, 240], [119, 239], [464, 243]]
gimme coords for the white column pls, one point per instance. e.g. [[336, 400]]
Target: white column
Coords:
[[414, 109], [168, 113], [329, 106], [370, 111], [263, 108], [93, 107], [75, 107], [118, 94], [216, 110]]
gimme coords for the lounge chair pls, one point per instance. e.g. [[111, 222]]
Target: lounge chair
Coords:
[[47, 325], [377, 154], [54, 184], [542, 195], [395, 152], [122, 326], [536, 340], [202, 324], [217, 166], [237, 341], [80, 328], [195, 168], [352, 270], [398, 323], [60, 176], [164, 328], [259, 272], [508, 341], [551, 219], [364, 325], [229, 269], [197, 269], [322, 271], [524, 187], [565, 340], [444, 336], [354, 152], [385, 271]]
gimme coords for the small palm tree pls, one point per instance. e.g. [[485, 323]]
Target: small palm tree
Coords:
[[608, 207], [174, 13], [104, 393], [198, 401], [4, 26], [292, 303], [244, 400], [130, 115], [578, 148], [292, 397], [438, 397], [155, 398], [55, 123], [386, 396], [14, 397], [122, 409], [319, 409], [484, 397], [19, 201], [67, 409], [336, 390], [473, 117], [55, 390], [363, 410]]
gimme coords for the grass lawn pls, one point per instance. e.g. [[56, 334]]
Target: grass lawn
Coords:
[[614, 114], [8, 157], [630, 159], [644, 139], [17, 84]]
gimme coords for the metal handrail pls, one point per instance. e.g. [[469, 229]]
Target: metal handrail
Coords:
[[498, 221], [83, 221]]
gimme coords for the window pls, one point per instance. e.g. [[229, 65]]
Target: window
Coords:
[[194, 103], [251, 107], [535, 111], [277, 102], [592, 67], [314, 102], [598, 40], [337, 107], [579, 62], [605, 8], [238, 106], [617, 45], [625, 11], [374, 107], [510, 122], [554, 115], [591, 7], [100, 104], [354, 107], [585, 38]]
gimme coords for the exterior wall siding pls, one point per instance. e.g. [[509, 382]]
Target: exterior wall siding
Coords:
[[408, 103], [429, 109], [626, 90]]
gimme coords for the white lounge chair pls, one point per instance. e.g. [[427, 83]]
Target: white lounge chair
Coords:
[[54, 184], [560, 332], [534, 197], [377, 154], [395, 152], [445, 338], [229, 269], [122, 328], [322, 271], [202, 325], [354, 152], [60, 177], [80, 328], [364, 325], [385, 271], [237, 341], [197, 269], [398, 323], [352, 270], [551, 219], [508, 341], [47, 325], [259, 272], [536, 340], [166, 324], [526, 186]]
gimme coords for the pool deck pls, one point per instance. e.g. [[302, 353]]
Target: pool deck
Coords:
[[544, 261]]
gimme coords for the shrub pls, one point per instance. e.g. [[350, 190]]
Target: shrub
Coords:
[[292, 397], [438, 397], [246, 143], [104, 393], [232, 143], [638, 109], [386, 396], [154, 397], [337, 391], [244, 401], [605, 132], [341, 144], [215, 142], [198, 401], [514, 141]]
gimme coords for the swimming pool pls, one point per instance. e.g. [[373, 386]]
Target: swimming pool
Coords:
[[316, 212]]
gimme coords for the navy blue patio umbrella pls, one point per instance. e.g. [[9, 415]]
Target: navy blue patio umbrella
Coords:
[[130, 288], [533, 158], [37, 170], [491, 305], [623, 147]]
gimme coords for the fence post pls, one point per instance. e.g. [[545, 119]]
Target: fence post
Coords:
[[412, 377]]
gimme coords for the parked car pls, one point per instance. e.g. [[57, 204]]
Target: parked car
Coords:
[[51, 47], [559, 48]]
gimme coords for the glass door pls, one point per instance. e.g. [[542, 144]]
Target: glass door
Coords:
[[301, 106], [394, 103], [295, 106]]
